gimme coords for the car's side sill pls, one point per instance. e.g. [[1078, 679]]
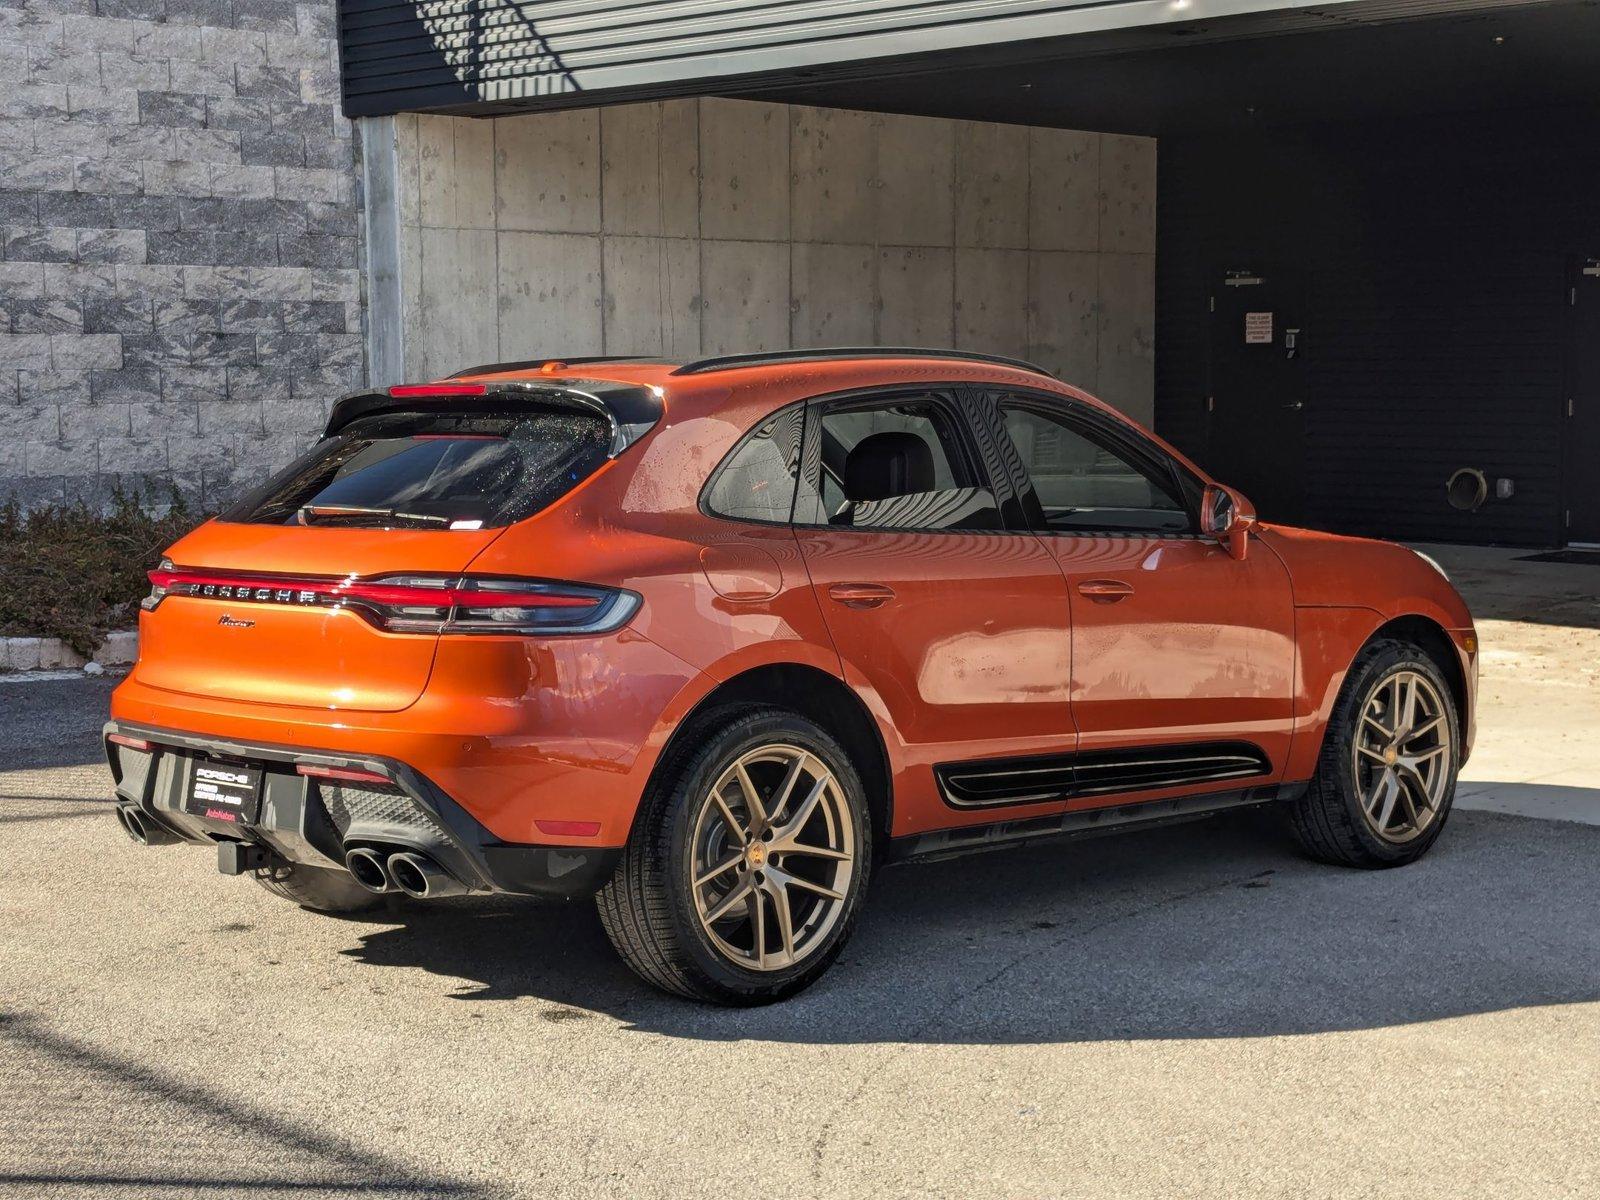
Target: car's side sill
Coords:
[[1002, 782], [998, 835]]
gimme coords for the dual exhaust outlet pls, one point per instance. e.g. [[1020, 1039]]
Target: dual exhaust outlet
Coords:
[[414, 874], [142, 828], [376, 870]]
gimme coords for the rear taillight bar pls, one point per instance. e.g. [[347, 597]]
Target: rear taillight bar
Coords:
[[416, 603]]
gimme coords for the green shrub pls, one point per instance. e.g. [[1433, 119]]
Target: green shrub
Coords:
[[73, 572]]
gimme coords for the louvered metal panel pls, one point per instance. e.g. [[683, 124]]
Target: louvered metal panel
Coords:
[[463, 55]]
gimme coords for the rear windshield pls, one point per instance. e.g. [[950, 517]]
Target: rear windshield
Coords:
[[458, 470]]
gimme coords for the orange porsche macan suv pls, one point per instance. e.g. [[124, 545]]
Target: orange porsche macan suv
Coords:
[[714, 641]]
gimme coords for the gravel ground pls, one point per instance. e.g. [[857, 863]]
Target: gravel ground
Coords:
[[1191, 1012]]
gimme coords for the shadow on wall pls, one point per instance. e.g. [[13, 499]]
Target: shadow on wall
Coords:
[[1206, 931], [462, 38]]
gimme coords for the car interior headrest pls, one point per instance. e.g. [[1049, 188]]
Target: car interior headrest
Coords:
[[891, 463]]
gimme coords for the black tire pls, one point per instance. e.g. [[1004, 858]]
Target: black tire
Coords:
[[317, 889], [1327, 821], [648, 907]]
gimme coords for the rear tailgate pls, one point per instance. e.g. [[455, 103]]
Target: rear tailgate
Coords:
[[262, 604], [274, 651]]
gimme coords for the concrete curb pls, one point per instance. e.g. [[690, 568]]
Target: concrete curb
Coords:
[[23, 654]]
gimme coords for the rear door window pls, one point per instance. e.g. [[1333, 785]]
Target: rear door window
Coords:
[[901, 463], [459, 470]]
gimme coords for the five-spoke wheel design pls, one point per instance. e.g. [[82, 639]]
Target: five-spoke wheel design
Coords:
[[1402, 755], [772, 855]]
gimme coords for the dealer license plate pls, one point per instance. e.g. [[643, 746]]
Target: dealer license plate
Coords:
[[224, 791]]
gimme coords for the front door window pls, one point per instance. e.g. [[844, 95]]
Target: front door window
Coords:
[[1085, 485]]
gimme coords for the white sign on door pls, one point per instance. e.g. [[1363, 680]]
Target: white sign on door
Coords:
[[1258, 329]]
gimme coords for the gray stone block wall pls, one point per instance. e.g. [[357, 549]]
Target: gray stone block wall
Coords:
[[179, 241]]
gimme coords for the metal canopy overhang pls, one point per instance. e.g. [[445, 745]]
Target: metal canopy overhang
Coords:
[[1243, 76], [484, 57]]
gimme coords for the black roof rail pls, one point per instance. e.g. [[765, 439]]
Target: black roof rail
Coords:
[[727, 362], [534, 364]]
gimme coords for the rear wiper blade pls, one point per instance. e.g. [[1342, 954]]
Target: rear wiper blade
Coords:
[[357, 510]]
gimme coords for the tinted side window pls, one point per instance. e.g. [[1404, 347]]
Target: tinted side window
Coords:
[[1085, 482], [901, 464], [757, 481]]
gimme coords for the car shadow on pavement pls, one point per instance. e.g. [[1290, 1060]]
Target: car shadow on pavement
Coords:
[[1208, 930]]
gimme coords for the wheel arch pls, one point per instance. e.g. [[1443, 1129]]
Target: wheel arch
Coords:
[[1430, 637], [1332, 640], [817, 696]]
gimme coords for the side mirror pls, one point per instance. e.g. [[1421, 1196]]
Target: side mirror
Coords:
[[1227, 516]]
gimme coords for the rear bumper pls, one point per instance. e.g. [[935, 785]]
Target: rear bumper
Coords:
[[312, 821], [525, 735]]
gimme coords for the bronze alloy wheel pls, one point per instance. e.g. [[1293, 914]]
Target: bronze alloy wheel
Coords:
[[772, 856], [1401, 755]]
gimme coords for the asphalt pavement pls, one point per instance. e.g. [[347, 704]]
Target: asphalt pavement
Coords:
[[1193, 1011]]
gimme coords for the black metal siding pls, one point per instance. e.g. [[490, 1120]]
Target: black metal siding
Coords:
[[1435, 260]]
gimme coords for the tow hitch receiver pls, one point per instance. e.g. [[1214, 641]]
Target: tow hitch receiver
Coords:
[[235, 858]]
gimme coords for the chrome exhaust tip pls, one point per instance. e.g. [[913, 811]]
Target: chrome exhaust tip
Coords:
[[367, 867], [142, 828], [421, 878]]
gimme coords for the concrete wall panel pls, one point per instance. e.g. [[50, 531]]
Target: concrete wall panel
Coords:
[[650, 169], [459, 328], [916, 290], [652, 296], [1128, 195], [436, 172], [992, 301], [991, 185], [547, 171], [455, 176], [1063, 314], [833, 290], [745, 291], [744, 165], [833, 157], [1063, 190], [916, 181], [475, 175], [549, 286], [719, 226], [1126, 375]]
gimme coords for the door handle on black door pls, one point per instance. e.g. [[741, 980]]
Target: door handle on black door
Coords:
[[1105, 591], [860, 595]]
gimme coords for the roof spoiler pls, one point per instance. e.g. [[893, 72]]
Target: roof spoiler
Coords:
[[631, 409]]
